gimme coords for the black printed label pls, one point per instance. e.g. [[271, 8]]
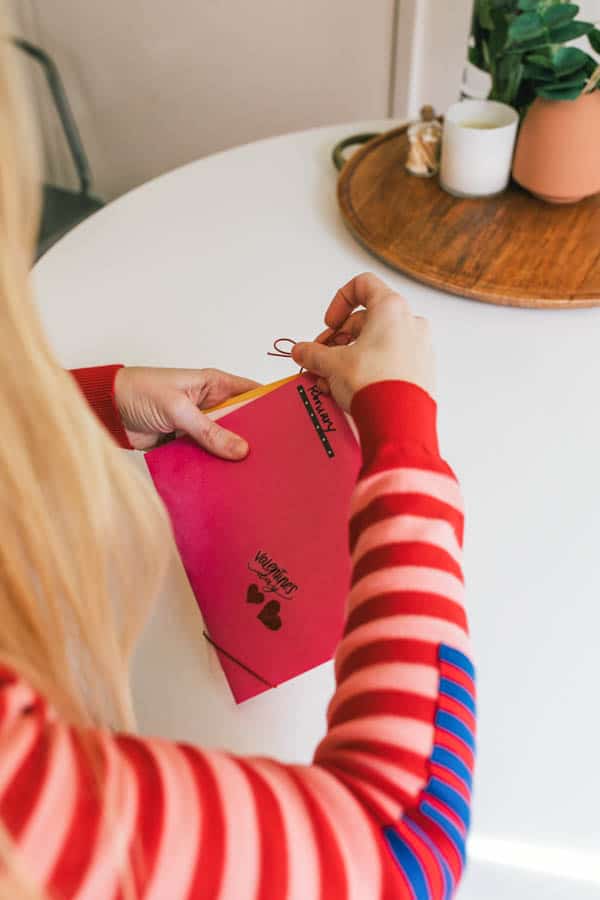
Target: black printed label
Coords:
[[318, 419]]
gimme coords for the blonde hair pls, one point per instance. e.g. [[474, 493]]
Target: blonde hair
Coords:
[[84, 538], [82, 533]]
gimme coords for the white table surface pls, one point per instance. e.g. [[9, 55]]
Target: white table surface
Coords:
[[205, 267]]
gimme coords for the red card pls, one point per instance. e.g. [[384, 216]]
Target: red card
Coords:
[[264, 541]]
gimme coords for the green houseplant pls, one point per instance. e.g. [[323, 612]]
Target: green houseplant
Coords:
[[555, 88], [521, 43]]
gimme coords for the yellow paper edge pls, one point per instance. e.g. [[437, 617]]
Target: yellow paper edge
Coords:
[[251, 395]]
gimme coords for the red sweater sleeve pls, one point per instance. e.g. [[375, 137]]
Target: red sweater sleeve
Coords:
[[383, 810], [97, 384]]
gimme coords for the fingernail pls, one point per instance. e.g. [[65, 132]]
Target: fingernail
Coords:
[[341, 339], [239, 447]]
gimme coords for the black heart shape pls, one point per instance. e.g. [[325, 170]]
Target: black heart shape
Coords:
[[269, 615], [253, 595]]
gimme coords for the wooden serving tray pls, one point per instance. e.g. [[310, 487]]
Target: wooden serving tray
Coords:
[[511, 249]]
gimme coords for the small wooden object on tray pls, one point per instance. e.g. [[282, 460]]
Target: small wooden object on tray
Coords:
[[511, 249]]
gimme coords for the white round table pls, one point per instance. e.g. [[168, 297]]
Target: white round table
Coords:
[[207, 265]]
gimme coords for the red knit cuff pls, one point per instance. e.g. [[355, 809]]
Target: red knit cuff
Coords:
[[395, 413], [97, 385]]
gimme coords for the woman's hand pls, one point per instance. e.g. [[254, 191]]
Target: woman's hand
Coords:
[[156, 402], [381, 342]]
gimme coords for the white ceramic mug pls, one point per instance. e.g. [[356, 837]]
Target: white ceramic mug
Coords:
[[477, 147]]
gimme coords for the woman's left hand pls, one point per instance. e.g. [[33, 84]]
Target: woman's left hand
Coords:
[[156, 402]]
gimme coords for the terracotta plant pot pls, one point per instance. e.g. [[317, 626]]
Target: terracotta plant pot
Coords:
[[556, 157]]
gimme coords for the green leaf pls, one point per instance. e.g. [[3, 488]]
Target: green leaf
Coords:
[[569, 59], [499, 35], [525, 27], [575, 79], [559, 15], [507, 79], [484, 14], [487, 62], [561, 93], [538, 73], [513, 83], [540, 59], [526, 96], [594, 39], [475, 57], [527, 5], [569, 32], [538, 43]]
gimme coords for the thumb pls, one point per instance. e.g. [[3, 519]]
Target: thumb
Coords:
[[213, 437], [317, 358]]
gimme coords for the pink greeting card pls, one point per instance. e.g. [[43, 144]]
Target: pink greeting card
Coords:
[[264, 541]]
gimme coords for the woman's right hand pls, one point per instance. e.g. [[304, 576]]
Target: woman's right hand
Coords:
[[382, 341]]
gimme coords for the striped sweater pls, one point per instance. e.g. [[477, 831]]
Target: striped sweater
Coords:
[[382, 811]]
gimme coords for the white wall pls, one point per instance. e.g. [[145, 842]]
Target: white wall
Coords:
[[590, 10], [431, 50], [156, 83]]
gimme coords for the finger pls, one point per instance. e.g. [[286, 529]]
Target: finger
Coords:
[[220, 386], [341, 339], [317, 358], [351, 328], [363, 290], [348, 332], [210, 435], [325, 336]]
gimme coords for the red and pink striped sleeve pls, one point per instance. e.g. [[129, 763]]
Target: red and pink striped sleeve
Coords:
[[382, 812]]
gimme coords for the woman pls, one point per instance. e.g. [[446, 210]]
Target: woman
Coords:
[[90, 811]]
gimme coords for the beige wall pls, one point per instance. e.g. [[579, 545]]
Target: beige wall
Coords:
[[156, 83]]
